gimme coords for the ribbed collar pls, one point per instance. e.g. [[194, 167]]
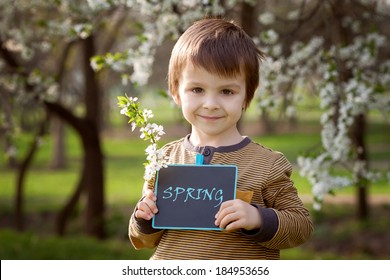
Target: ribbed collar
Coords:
[[208, 151]]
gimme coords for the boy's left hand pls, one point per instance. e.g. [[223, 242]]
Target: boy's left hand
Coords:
[[237, 214]]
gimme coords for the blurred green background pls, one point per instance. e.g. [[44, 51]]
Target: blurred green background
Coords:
[[338, 234]]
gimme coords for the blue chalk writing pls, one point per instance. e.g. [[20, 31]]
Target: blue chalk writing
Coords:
[[186, 194]]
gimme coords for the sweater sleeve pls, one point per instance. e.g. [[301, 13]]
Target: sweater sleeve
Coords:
[[270, 224], [142, 234], [285, 220]]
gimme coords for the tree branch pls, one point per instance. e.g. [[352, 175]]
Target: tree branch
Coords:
[[66, 115]]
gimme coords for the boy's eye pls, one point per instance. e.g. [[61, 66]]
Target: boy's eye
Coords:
[[197, 90], [227, 92]]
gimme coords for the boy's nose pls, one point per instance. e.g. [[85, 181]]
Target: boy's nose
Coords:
[[210, 102]]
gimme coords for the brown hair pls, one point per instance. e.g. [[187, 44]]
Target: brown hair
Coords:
[[219, 46]]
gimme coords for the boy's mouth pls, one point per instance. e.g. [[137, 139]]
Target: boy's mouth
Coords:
[[210, 117]]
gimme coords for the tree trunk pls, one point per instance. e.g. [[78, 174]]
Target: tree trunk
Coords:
[[6, 128], [58, 160], [91, 178], [93, 160], [93, 172], [66, 212], [22, 171], [266, 122], [359, 131], [88, 129], [248, 20], [341, 36]]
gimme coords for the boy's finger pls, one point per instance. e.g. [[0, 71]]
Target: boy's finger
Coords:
[[223, 206], [150, 194], [143, 215], [227, 219], [148, 205]]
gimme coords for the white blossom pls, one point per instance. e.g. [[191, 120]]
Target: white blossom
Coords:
[[155, 157], [133, 126], [293, 15], [98, 4], [142, 65], [267, 18], [147, 114], [291, 111], [123, 111], [270, 36], [152, 129], [11, 152], [83, 30]]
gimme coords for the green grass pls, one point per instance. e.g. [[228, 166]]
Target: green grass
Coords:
[[30, 246]]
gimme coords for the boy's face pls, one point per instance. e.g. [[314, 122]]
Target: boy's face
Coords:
[[212, 104]]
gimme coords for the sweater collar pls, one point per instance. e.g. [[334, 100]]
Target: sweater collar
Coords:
[[209, 150]]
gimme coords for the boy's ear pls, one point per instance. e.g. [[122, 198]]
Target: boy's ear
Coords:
[[176, 98], [244, 105]]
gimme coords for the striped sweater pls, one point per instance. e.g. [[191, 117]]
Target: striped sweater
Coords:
[[264, 177]]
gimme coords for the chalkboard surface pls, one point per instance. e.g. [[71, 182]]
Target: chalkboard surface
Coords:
[[189, 196]]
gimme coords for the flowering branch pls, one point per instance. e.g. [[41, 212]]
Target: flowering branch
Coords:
[[149, 131], [350, 76]]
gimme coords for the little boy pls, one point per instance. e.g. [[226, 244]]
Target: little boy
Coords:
[[213, 75]]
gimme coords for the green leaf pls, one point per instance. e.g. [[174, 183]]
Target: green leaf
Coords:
[[98, 61], [122, 100], [163, 93]]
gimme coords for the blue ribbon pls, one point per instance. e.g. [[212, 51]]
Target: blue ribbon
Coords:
[[199, 159]]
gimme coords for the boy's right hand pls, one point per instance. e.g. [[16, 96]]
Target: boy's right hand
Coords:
[[146, 208]]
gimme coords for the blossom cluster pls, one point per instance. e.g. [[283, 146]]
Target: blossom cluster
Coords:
[[161, 20], [152, 132], [315, 66]]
